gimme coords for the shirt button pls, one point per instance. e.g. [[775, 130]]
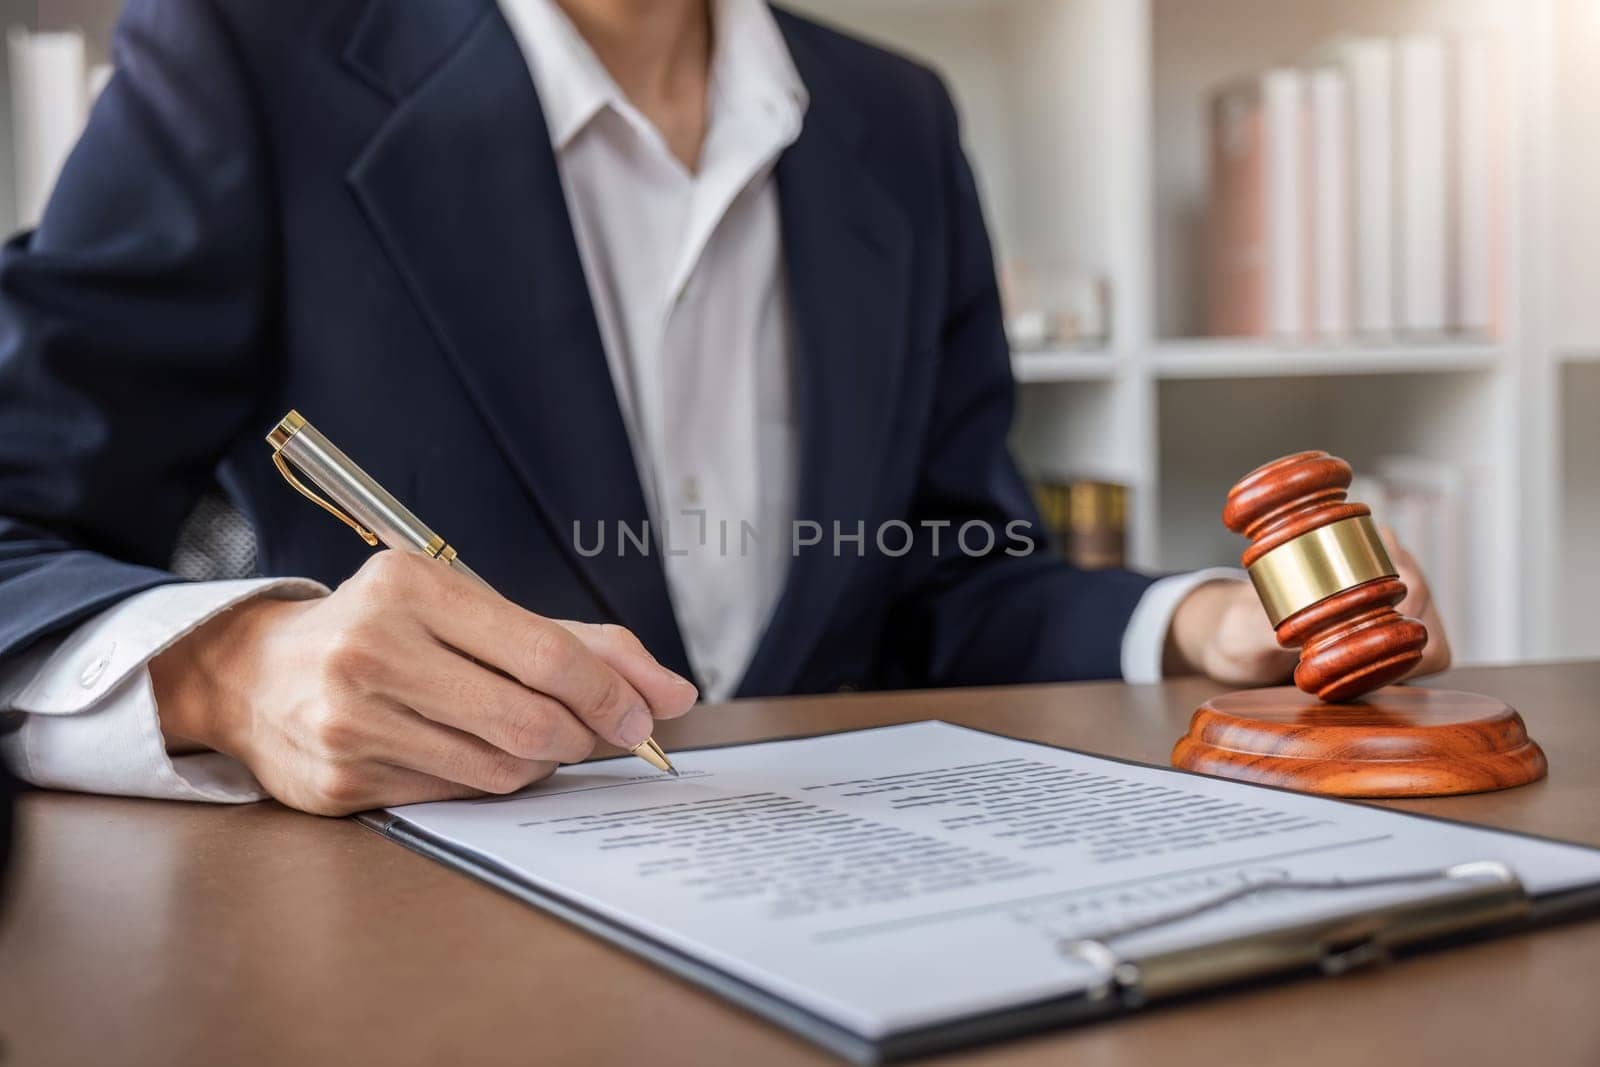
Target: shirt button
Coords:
[[91, 674], [713, 677], [691, 490]]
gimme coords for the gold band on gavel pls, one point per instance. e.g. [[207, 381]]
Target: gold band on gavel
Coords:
[[1318, 564]]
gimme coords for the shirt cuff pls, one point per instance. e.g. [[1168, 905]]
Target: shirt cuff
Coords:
[[90, 719], [1145, 639]]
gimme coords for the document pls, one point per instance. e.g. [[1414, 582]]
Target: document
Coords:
[[901, 877]]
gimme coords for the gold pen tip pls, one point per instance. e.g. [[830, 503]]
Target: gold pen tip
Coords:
[[652, 754]]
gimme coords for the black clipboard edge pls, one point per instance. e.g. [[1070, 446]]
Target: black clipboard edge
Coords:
[[1004, 1024]]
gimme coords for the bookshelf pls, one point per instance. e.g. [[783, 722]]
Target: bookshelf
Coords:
[[1086, 121], [1086, 124]]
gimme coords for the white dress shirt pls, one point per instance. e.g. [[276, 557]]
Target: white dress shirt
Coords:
[[685, 270]]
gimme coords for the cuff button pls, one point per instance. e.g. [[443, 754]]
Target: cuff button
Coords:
[[93, 672]]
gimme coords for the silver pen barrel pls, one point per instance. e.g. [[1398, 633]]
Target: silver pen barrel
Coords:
[[352, 495]]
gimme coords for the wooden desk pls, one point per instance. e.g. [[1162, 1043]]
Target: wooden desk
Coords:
[[163, 933]]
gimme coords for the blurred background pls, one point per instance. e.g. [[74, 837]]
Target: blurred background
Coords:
[[1228, 230]]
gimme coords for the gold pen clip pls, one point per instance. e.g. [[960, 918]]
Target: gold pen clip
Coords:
[[281, 434]]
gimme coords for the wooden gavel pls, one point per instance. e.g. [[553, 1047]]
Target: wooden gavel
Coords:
[[1324, 577], [1330, 589]]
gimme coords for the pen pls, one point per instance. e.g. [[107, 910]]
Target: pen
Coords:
[[359, 502]]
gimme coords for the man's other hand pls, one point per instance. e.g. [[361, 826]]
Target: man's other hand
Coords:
[[1221, 630], [411, 682]]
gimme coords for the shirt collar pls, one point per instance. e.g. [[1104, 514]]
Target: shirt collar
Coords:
[[751, 67]]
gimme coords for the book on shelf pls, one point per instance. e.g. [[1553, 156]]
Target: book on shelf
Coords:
[[1258, 270], [1332, 226], [1236, 253], [1367, 64], [1421, 187], [1283, 104], [1362, 193], [1087, 520], [1479, 77]]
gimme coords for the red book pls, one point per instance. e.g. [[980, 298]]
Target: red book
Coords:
[[1236, 239]]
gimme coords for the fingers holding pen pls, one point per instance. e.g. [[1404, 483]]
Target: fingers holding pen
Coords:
[[557, 660], [452, 691], [668, 693], [349, 747], [409, 682], [417, 744]]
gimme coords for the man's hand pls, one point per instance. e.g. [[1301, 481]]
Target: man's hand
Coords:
[[1221, 630], [410, 682]]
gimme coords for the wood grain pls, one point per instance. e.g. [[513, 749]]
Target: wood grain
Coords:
[[157, 933], [1397, 742], [1354, 641]]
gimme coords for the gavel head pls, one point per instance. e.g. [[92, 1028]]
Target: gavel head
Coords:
[[1324, 576]]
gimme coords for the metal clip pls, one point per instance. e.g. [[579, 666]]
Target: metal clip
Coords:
[[332, 509], [1484, 893]]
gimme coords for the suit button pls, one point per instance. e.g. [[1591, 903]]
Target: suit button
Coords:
[[846, 687]]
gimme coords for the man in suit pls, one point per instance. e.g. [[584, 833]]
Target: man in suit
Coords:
[[679, 316]]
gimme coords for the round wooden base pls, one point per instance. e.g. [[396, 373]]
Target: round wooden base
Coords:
[[1396, 742]]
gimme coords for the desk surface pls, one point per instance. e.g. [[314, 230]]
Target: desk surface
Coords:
[[164, 933]]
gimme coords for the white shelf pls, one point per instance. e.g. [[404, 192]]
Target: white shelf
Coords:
[[1087, 364], [1086, 124], [1248, 358]]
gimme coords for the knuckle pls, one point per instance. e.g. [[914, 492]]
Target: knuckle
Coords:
[[542, 730], [528, 731], [388, 574], [352, 656], [332, 731], [548, 648], [619, 636], [339, 789], [537, 771], [613, 696], [503, 774], [579, 747]]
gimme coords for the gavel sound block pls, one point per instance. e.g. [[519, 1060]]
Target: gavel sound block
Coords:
[[1330, 590]]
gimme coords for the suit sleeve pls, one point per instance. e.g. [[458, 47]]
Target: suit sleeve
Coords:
[[1013, 613], [131, 325]]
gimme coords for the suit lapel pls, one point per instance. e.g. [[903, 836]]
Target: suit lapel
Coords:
[[461, 186], [848, 247]]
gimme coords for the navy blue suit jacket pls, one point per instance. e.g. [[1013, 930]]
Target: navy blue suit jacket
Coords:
[[351, 207]]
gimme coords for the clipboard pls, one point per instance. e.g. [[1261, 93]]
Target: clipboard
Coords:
[[1475, 901]]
